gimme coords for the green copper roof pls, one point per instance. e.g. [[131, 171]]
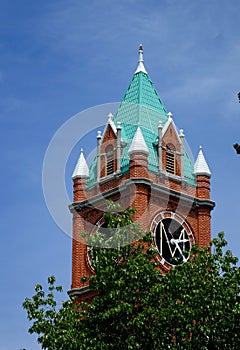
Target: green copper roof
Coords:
[[141, 106], [92, 173], [189, 169]]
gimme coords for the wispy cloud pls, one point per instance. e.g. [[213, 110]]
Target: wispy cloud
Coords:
[[178, 32], [190, 48]]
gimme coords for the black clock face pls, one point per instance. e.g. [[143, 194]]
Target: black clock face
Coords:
[[172, 241]]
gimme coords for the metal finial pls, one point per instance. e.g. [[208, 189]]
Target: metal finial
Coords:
[[181, 134], [140, 67]]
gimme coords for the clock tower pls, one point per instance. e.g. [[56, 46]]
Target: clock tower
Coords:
[[142, 161]]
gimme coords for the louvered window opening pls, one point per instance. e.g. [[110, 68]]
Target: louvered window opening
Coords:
[[170, 162], [110, 165]]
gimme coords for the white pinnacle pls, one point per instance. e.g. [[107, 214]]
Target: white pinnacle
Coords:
[[200, 166], [81, 170], [140, 67], [138, 143]]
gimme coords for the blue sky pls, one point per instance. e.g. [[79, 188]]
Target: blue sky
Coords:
[[58, 58]]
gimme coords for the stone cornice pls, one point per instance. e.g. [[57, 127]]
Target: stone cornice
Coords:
[[157, 188]]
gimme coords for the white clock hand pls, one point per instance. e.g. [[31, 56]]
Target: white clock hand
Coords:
[[175, 242]]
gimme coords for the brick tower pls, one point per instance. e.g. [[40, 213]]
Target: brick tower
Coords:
[[142, 161]]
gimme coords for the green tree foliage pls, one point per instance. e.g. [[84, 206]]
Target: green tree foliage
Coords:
[[195, 306]]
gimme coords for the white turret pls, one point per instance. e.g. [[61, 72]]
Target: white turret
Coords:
[[138, 144], [200, 166], [81, 170]]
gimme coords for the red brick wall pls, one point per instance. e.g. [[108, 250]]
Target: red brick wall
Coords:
[[203, 186], [79, 190], [138, 165], [147, 199], [78, 251]]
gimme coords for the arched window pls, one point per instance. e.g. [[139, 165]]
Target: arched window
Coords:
[[109, 160], [170, 159]]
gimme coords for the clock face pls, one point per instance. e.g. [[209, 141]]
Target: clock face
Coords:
[[173, 238]]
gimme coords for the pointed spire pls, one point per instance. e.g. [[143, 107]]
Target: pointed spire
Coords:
[[201, 167], [81, 170], [140, 67], [138, 143]]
